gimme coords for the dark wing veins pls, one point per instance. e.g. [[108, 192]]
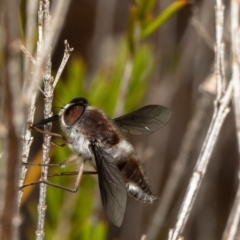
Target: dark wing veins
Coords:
[[111, 184], [145, 120]]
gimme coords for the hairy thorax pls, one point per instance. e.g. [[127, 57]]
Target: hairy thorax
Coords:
[[96, 128]]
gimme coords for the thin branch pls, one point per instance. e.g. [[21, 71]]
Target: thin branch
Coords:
[[232, 228], [202, 32], [46, 38], [221, 112], [66, 56], [27, 53], [31, 26], [221, 109], [178, 169], [59, 13], [219, 49], [48, 92], [27, 137]]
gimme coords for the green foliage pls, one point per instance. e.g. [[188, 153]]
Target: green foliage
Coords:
[[152, 25], [143, 63], [104, 90], [142, 22]]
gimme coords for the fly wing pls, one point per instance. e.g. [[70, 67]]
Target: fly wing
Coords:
[[145, 120], [112, 187]]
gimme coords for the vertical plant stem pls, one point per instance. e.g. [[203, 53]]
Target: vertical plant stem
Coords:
[[48, 92], [46, 32], [13, 121], [202, 163], [220, 112], [31, 25], [27, 137], [219, 49], [60, 8], [232, 229], [178, 169]]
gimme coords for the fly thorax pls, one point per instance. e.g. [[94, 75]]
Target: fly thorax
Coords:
[[79, 141]]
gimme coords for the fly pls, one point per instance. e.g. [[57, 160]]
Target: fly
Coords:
[[95, 137]]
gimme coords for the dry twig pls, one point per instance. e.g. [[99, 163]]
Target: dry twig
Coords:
[[67, 53], [44, 21], [220, 112], [219, 116], [232, 229], [178, 169], [59, 13], [47, 33]]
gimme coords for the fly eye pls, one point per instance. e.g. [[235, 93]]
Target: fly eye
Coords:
[[72, 114]]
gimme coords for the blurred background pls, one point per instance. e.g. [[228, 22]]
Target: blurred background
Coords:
[[128, 54]]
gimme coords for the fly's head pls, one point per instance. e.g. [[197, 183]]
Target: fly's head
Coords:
[[68, 116], [72, 113]]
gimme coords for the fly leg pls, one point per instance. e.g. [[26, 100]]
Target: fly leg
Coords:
[[66, 141], [63, 163], [73, 173], [74, 189]]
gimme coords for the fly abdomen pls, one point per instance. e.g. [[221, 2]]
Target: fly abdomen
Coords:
[[139, 194], [135, 180]]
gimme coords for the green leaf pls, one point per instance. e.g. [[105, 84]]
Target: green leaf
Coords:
[[145, 7], [99, 232], [143, 63], [162, 18], [149, 5]]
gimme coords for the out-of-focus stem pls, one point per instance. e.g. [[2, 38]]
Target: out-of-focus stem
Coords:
[[202, 162], [220, 112], [12, 121], [233, 226]]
